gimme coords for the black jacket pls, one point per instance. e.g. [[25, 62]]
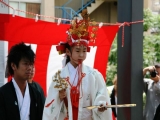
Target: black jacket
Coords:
[[39, 88], [157, 115], [113, 102], [9, 110]]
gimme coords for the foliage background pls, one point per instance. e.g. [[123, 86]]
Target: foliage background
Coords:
[[151, 45]]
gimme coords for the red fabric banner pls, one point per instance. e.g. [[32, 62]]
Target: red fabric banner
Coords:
[[45, 34]]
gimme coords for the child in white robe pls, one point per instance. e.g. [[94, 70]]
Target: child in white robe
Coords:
[[85, 85]]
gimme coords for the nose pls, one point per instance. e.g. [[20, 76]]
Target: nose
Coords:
[[30, 66], [81, 54]]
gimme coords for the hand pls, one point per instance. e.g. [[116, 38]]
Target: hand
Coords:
[[150, 69], [102, 108], [62, 94], [155, 79]]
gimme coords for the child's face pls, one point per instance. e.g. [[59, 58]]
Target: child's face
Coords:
[[78, 54]]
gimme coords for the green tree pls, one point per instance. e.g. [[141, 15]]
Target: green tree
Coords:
[[151, 45], [112, 63], [151, 42]]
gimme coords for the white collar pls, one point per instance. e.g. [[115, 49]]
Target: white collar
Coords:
[[73, 74], [23, 102], [71, 68]]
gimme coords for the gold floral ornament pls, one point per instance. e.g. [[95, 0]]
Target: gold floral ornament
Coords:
[[61, 83], [93, 34], [79, 32], [79, 29]]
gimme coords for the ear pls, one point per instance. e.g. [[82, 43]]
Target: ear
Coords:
[[68, 52], [13, 66]]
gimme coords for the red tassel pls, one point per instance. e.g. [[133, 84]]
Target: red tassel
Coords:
[[113, 117], [49, 103], [66, 118]]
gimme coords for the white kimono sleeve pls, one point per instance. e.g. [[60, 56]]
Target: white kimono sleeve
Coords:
[[52, 105], [101, 95]]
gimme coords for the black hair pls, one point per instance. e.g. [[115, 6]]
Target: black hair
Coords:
[[157, 65], [16, 53], [69, 48]]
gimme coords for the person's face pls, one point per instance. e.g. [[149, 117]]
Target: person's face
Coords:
[[23, 71], [78, 54], [32, 74], [115, 85], [158, 70]]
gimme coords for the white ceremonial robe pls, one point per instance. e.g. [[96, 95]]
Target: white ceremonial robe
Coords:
[[93, 92], [23, 102]]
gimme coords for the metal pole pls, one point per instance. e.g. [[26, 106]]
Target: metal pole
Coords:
[[130, 60]]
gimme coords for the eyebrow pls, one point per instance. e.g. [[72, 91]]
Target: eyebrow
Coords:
[[79, 48], [26, 60], [84, 48]]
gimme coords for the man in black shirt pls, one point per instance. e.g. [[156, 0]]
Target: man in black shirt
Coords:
[[36, 85]]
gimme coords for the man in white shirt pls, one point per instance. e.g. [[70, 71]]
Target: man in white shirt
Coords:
[[152, 90]]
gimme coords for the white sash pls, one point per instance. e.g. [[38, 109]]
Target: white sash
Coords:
[[23, 102]]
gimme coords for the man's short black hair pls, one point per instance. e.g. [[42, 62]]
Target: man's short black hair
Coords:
[[18, 52], [157, 65]]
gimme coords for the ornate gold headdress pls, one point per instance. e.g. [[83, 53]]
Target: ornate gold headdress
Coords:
[[79, 32]]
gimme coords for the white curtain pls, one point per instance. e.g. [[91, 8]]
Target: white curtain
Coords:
[[3, 58]]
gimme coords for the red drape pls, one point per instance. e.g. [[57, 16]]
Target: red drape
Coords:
[[45, 34]]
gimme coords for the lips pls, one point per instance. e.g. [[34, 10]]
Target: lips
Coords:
[[28, 73], [80, 61]]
